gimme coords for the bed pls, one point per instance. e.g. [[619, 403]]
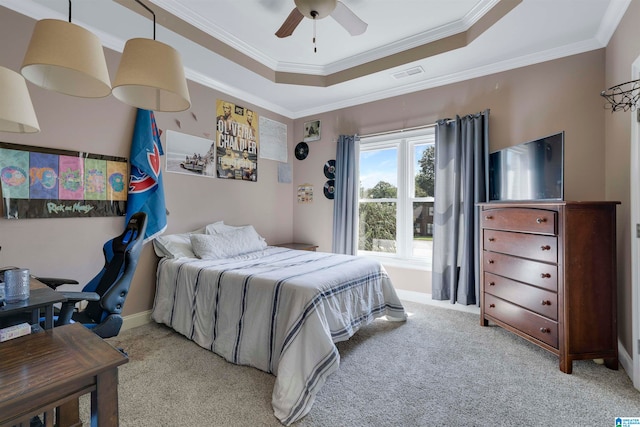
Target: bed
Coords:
[[276, 309]]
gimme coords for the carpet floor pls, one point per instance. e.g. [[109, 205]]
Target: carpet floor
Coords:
[[439, 368]]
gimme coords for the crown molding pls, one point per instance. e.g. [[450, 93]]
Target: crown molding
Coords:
[[175, 8], [611, 19], [476, 72]]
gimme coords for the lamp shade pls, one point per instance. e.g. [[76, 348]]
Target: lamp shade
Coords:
[[16, 109], [151, 77], [66, 58]]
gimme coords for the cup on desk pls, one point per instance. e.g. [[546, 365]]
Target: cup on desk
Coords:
[[16, 285]]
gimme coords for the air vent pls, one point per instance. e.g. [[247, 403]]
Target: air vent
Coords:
[[408, 72]]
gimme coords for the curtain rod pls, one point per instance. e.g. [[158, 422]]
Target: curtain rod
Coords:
[[402, 130]]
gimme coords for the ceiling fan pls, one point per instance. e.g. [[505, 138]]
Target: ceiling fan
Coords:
[[318, 9]]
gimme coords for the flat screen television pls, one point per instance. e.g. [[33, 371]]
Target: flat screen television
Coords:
[[532, 170]]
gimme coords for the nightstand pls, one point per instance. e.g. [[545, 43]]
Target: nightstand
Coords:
[[298, 246]]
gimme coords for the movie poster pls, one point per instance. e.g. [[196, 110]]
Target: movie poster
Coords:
[[236, 142]]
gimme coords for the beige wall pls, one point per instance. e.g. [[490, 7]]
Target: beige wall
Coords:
[[72, 247], [525, 103], [622, 51]]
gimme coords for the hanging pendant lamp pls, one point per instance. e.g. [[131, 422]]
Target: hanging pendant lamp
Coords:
[[16, 110], [66, 58], [151, 76]]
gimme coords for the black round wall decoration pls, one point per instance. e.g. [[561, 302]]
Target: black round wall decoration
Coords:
[[302, 151], [329, 189], [330, 169]]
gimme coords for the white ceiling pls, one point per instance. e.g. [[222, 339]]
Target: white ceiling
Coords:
[[533, 31]]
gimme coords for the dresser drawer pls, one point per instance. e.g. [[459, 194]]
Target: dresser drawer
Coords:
[[535, 299], [523, 270], [534, 246], [520, 219], [523, 320]]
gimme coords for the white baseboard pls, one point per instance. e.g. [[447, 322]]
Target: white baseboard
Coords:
[[422, 298], [625, 360], [137, 319]]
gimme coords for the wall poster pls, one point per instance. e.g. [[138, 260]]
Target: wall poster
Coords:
[[38, 182], [191, 155], [236, 142], [273, 140], [305, 193]]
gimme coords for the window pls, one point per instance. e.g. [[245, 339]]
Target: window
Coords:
[[396, 174]]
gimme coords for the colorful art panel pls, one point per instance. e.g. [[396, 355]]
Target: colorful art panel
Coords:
[[39, 182], [43, 176], [71, 178], [14, 175], [117, 180], [95, 179]]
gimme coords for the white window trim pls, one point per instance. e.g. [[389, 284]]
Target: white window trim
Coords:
[[404, 141]]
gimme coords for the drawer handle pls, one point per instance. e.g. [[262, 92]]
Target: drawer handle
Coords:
[[545, 248], [492, 239], [492, 306], [546, 302], [541, 220], [492, 283], [545, 330], [491, 261], [488, 217], [545, 275]]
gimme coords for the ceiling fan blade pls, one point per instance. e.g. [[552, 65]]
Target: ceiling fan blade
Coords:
[[345, 17], [290, 23]]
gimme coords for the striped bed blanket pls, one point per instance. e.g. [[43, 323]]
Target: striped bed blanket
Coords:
[[278, 310]]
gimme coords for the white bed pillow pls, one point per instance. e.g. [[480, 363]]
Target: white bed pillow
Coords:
[[175, 245], [226, 245], [221, 227]]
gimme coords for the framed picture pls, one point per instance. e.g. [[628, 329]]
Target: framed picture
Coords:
[[311, 131], [190, 155], [42, 182]]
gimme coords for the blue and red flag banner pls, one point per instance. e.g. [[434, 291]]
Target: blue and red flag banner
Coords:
[[146, 191]]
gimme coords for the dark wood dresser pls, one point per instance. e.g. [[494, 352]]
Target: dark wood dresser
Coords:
[[548, 274]]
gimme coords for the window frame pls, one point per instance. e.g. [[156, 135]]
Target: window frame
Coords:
[[405, 143]]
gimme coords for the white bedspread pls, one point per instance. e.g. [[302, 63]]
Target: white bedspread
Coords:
[[278, 310]]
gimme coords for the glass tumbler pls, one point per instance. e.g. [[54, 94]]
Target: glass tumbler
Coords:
[[16, 285]]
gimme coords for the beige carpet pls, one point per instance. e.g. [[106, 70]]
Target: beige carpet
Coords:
[[439, 368]]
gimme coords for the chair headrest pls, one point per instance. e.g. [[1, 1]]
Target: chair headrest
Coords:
[[133, 232]]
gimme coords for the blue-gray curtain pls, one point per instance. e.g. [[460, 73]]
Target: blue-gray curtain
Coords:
[[461, 180], [345, 207]]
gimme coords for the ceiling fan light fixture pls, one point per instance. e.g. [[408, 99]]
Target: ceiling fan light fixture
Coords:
[[318, 9], [322, 8]]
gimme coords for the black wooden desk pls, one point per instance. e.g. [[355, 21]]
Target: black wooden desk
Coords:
[[40, 372], [40, 297]]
